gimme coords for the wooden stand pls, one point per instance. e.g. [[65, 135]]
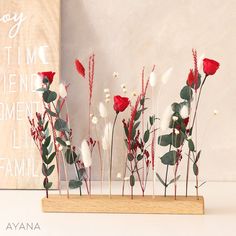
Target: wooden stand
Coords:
[[118, 204]]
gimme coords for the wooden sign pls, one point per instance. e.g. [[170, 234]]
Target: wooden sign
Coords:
[[29, 43]]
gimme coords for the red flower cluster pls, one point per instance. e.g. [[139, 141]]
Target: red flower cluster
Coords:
[[120, 103], [48, 75]]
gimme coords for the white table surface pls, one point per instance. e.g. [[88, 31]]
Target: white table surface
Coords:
[[25, 207]]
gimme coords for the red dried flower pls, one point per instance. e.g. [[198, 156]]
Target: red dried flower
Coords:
[[80, 68], [48, 75]]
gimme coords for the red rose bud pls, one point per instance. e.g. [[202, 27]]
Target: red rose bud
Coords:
[[48, 75], [210, 66], [80, 68], [120, 103], [191, 78]]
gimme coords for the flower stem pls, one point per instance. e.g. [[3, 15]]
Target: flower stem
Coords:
[[166, 178], [112, 140], [194, 118]]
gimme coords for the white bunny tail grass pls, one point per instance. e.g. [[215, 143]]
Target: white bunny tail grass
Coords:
[[86, 154], [184, 111], [153, 79], [62, 90], [165, 120], [166, 75], [102, 110]]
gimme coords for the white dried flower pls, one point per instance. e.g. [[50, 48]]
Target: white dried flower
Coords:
[[67, 142], [86, 154], [126, 178], [124, 90], [118, 176], [62, 90], [102, 110], [123, 86], [216, 112], [153, 79], [134, 94], [184, 111], [166, 75], [115, 75], [107, 135], [174, 118], [106, 90], [108, 95], [165, 121], [94, 120], [189, 138], [176, 131], [104, 143], [107, 100]]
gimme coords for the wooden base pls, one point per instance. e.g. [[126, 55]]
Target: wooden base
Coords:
[[118, 204]]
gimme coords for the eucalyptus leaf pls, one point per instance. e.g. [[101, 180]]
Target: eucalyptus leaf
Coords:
[[61, 125], [73, 184], [48, 185], [130, 157], [139, 157], [186, 93], [164, 140], [160, 179], [191, 145], [195, 169], [173, 180], [49, 96], [50, 170], [132, 180], [146, 136], [62, 142], [169, 158]]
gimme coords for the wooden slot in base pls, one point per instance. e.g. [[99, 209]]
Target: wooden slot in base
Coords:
[[124, 204]]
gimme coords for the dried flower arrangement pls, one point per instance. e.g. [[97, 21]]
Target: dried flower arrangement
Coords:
[[53, 137]]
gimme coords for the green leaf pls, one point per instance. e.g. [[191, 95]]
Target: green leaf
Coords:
[[58, 107], [51, 113], [160, 179], [146, 136], [173, 180], [59, 140], [47, 141], [139, 157], [175, 107], [81, 173], [198, 156], [195, 169], [136, 125], [132, 180], [142, 101], [151, 120], [70, 156], [177, 139], [46, 126], [61, 125], [45, 150], [186, 93], [50, 159], [50, 170], [44, 170], [137, 115], [130, 157], [47, 185], [169, 158], [133, 133], [49, 96], [50, 148], [191, 145], [164, 140], [73, 184]]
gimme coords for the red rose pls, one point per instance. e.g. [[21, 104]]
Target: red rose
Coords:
[[48, 74], [210, 66], [120, 103], [80, 68]]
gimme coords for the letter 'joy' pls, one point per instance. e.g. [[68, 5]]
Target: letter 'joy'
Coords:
[[17, 18]]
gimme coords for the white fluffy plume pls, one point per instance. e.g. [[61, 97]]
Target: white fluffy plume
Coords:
[[153, 79], [62, 90], [166, 75], [184, 111], [86, 154], [102, 110], [106, 140], [166, 118]]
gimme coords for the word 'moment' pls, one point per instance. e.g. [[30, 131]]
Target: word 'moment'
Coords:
[[17, 19]]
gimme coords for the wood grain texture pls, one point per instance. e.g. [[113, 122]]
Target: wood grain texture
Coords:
[[34, 48], [119, 204]]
